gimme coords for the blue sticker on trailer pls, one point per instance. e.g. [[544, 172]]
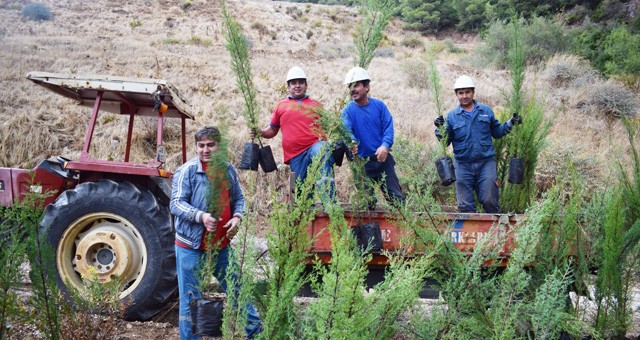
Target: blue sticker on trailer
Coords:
[[457, 224]]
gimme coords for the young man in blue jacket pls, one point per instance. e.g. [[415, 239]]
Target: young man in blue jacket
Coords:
[[470, 127], [190, 196], [370, 124]]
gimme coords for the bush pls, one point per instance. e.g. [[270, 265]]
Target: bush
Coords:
[[412, 41], [170, 41], [542, 38], [451, 46], [622, 49], [427, 16], [385, 52], [37, 12], [609, 98], [566, 69], [197, 40], [416, 72]]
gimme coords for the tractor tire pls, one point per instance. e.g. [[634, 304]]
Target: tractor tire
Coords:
[[122, 231]]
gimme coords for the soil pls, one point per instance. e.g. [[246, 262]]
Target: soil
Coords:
[[165, 324]]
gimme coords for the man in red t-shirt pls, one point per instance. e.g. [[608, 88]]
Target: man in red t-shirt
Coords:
[[302, 138]]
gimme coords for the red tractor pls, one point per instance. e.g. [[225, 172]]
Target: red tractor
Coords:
[[110, 215]]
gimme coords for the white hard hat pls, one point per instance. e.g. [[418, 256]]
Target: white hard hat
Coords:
[[356, 74], [296, 73], [464, 82]]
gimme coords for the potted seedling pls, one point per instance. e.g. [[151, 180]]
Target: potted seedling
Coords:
[[253, 154], [444, 164]]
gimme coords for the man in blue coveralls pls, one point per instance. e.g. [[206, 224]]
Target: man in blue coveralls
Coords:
[[470, 127]]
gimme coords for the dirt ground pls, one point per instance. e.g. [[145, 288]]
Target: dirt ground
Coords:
[[165, 324]]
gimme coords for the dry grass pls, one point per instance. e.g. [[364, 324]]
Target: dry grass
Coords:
[[99, 39]]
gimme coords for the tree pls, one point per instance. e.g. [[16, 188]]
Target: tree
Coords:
[[428, 16], [621, 49]]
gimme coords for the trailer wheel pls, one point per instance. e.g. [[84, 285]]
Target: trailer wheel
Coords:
[[122, 231]]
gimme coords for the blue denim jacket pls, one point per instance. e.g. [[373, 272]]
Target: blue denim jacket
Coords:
[[189, 200], [472, 136]]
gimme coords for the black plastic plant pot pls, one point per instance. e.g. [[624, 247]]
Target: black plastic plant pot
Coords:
[[516, 170], [206, 317], [250, 157], [368, 236], [267, 163], [338, 153], [446, 170]]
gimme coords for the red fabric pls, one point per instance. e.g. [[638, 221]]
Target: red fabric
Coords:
[[220, 239], [297, 120]]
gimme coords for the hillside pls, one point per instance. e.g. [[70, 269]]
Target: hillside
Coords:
[[160, 39]]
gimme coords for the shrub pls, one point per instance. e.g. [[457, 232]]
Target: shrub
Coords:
[[416, 73], [135, 23], [567, 69], [451, 46], [37, 12], [541, 38], [609, 98], [261, 28], [427, 16], [385, 52], [412, 41], [196, 40], [170, 41], [622, 50]]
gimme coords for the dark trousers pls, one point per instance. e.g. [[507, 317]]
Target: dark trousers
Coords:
[[383, 174], [477, 177]]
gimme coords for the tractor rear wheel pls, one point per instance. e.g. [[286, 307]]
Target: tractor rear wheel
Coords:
[[120, 231]]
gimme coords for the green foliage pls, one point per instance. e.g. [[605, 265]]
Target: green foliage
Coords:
[[37, 12], [526, 299], [622, 52], [588, 42], [185, 4], [416, 73], [541, 38], [95, 311], [526, 140], [412, 42], [12, 255], [420, 183], [197, 40], [369, 32], [471, 15], [135, 23], [612, 282], [438, 99], [288, 244], [343, 308], [451, 46], [170, 41], [238, 47], [428, 16], [46, 297]]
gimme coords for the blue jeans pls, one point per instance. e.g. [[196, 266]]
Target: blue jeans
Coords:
[[188, 262], [301, 162], [477, 177], [386, 170]]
